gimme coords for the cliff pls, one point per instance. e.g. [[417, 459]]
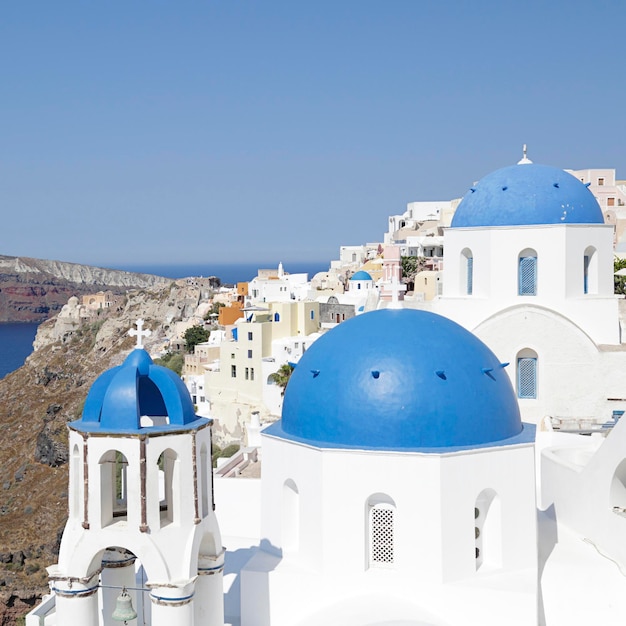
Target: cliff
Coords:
[[32, 290], [36, 403]]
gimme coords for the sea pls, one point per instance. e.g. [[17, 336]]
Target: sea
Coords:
[[16, 340]]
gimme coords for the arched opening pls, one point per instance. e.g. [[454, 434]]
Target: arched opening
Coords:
[[526, 374], [290, 517], [590, 271], [467, 271], [618, 490], [527, 273], [113, 487], [204, 482], [169, 486], [380, 519], [488, 530]]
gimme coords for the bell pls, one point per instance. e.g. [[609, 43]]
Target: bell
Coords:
[[124, 611]]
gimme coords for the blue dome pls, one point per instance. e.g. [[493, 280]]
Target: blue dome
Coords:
[[122, 395], [527, 194], [399, 379], [360, 275]]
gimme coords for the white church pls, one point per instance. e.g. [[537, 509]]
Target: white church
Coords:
[[401, 486]]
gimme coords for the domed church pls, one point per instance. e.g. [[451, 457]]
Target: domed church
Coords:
[[397, 485], [529, 269]]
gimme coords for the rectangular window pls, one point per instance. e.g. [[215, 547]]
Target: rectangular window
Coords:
[[202, 399], [233, 371], [312, 314], [610, 202], [232, 355], [527, 377], [249, 336], [249, 354], [252, 373], [247, 373], [600, 182]]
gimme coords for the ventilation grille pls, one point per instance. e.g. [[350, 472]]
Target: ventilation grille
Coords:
[[528, 276], [382, 535], [527, 373]]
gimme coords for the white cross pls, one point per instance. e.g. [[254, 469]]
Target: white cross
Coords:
[[140, 333], [396, 288]]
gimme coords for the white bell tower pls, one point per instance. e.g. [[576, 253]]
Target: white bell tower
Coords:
[[141, 514]]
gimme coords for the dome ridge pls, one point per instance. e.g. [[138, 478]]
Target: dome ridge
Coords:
[[527, 194], [400, 379]]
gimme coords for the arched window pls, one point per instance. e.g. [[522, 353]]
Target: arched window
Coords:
[[527, 273], [113, 487], [290, 517], [590, 270], [169, 486], [467, 272], [527, 374], [488, 530], [381, 511]]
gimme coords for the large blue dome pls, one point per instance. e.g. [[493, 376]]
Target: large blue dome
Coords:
[[399, 379], [122, 395], [527, 194]]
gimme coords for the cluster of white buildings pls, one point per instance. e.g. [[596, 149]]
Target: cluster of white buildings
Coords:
[[458, 461]]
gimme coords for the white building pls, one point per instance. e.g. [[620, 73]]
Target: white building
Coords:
[[277, 286]]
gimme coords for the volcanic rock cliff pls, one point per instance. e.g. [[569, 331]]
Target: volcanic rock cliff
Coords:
[[32, 290], [36, 403]]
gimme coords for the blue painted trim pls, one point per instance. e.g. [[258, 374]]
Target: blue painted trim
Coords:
[[81, 427], [75, 592], [526, 436], [162, 599]]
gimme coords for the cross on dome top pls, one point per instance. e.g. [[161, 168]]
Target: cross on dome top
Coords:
[[524, 160], [140, 333]]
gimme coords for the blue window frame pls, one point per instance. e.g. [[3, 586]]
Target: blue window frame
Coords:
[[586, 274], [527, 276], [526, 377], [470, 275]]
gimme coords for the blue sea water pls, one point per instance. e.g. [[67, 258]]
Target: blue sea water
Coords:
[[16, 343]]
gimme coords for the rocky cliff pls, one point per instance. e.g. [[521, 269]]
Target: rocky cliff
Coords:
[[36, 403], [32, 290]]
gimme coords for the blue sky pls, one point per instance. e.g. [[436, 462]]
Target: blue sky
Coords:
[[161, 132]]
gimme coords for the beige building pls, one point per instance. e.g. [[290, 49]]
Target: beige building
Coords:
[[256, 349]]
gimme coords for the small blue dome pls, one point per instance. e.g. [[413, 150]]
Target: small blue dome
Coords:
[[399, 379], [122, 395], [360, 275], [527, 194]]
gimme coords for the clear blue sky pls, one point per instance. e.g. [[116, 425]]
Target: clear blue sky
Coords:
[[141, 132]]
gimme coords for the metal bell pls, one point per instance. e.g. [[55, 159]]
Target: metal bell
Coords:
[[124, 611]]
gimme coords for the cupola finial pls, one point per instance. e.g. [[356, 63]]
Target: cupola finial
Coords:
[[524, 160], [140, 333]]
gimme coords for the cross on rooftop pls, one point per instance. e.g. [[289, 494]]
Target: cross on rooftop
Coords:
[[140, 333]]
